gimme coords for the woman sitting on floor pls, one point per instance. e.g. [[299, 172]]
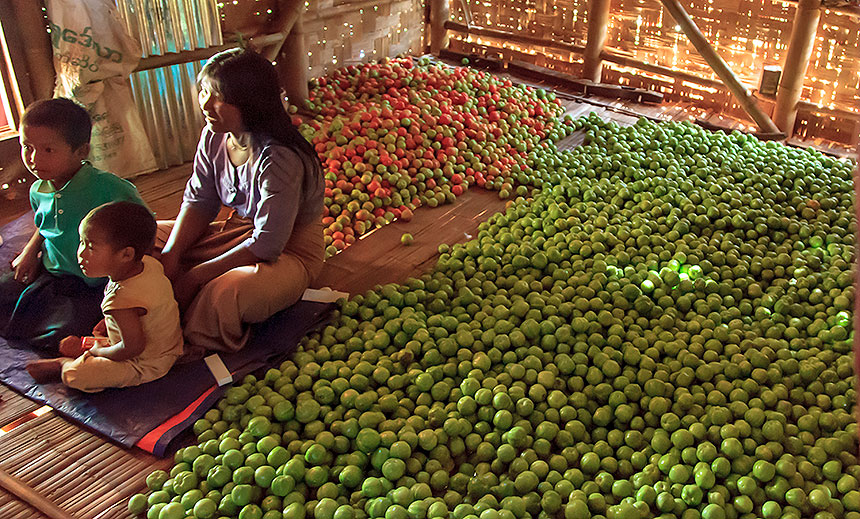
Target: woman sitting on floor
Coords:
[[252, 159]]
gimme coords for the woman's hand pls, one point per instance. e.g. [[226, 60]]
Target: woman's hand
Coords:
[[187, 286], [190, 225]]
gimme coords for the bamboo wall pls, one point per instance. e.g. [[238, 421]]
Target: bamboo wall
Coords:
[[342, 32], [748, 34], [338, 32]]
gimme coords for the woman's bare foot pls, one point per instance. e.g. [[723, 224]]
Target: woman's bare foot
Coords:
[[46, 370]]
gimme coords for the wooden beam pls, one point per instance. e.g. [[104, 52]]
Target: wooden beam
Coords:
[[36, 46], [294, 59], [289, 12], [176, 58], [810, 107], [439, 14], [31, 497], [796, 60], [720, 67], [627, 61], [598, 25], [519, 38]]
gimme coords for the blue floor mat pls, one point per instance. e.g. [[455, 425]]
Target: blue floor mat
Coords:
[[152, 414], [15, 235]]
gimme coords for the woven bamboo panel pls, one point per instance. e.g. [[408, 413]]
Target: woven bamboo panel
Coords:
[[79, 472], [247, 17], [13, 406], [339, 32], [554, 20], [835, 61]]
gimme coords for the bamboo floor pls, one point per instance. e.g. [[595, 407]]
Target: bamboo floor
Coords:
[[89, 477]]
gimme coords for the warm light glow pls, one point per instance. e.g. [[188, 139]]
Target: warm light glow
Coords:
[[642, 30], [24, 419]]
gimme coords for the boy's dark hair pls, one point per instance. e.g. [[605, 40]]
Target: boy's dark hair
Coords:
[[65, 116], [125, 224]]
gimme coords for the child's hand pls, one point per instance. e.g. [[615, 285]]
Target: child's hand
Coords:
[[100, 329], [71, 347], [26, 267], [132, 338]]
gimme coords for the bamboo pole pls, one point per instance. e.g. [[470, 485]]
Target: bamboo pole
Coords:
[[620, 59], [175, 58], [598, 26], [289, 12], [719, 66], [606, 55], [467, 12], [36, 46], [439, 14], [294, 56], [510, 36], [796, 60], [31, 497]]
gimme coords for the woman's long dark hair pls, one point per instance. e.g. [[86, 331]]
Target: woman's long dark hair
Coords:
[[249, 82]]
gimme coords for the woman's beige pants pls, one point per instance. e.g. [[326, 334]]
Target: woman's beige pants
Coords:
[[218, 317]]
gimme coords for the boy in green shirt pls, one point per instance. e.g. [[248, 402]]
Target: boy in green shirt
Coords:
[[46, 297]]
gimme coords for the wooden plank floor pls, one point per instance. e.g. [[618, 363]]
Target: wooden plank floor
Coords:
[[91, 478], [379, 257]]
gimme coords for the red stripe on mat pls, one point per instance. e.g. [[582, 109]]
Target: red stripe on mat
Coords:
[[149, 441]]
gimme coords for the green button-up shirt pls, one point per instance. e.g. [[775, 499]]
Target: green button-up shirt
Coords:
[[59, 213]]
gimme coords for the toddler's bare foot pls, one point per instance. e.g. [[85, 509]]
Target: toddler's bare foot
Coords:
[[45, 370]]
